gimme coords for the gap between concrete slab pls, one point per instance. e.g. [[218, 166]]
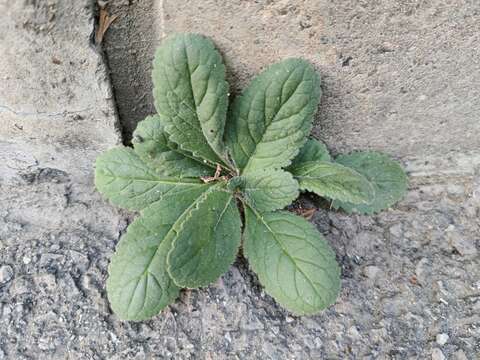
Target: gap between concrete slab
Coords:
[[128, 48]]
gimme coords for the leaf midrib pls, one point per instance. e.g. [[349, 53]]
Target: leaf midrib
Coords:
[[175, 181], [292, 259], [252, 155], [190, 73], [172, 124], [167, 235], [199, 248]]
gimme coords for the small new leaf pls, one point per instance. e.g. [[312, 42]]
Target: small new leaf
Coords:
[[313, 150], [333, 181], [268, 190], [387, 177], [153, 146], [292, 260], [269, 122]]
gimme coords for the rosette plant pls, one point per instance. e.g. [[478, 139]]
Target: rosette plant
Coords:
[[208, 180]]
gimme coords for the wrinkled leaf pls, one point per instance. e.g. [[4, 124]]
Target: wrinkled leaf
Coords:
[[269, 122], [139, 286], [207, 241], [333, 181], [292, 260], [387, 176], [151, 143], [124, 179], [312, 150], [270, 189], [190, 94]]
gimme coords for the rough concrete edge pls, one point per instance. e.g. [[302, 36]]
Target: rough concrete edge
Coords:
[[105, 69], [123, 60]]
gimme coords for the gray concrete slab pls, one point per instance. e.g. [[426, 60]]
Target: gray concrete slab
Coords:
[[397, 75], [401, 77]]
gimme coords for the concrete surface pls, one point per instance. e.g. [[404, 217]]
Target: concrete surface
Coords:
[[399, 76]]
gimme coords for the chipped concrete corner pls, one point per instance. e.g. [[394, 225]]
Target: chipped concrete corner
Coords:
[[401, 77]]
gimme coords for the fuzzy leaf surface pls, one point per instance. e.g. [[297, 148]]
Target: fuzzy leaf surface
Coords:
[[387, 176], [334, 181], [268, 190], [207, 241], [139, 286], [124, 179], [190, 94], [312, 150], [292, 260], [269, 122], [151, 143]]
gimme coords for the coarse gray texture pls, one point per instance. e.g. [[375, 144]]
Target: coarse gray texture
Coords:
[[402, 77], [131, 64]]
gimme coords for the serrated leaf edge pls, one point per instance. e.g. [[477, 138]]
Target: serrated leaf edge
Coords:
[[223, 158], [309, 123], [310, 189], [280, 302], [147, 273], [370, 211], [165, 238], [313, 139], [159, 179], [251, 201], [191, 210], [170, 143]]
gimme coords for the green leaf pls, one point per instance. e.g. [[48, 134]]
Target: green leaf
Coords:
[[123, 178], [269, 122], [387, 176], [293, 261], [139, 286], [190, 94], [268, 190], [313, 150], [151, 143], [207, 241], [333, 181]]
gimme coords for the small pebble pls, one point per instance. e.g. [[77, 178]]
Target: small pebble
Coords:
[[396, 230], [6, 274], [465, 246], [442, 339], [371, 272], [459, 355], [354, 334], [437, 354]]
